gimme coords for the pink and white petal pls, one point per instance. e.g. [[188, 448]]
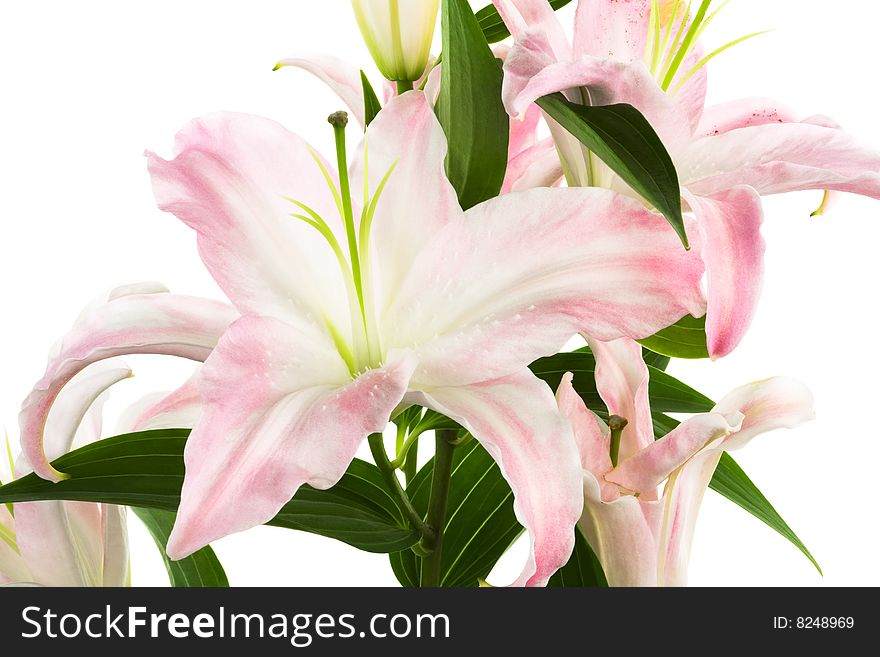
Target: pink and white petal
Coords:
[[230, 181], [279, 412], [781, 157], [622, 382], [75, 418], [418, 201], [743, 113], [612, 28], [343, 78], [157, 323], [534, 18], [13, 568], [519, 275], [733, 250], [643, 472], [623, 535], [116, 567], [768, 405], [608, 82], [178, 409], [680, 506], [537, 166], [60, 542], [590, 435], [516, 419], [523, 132]]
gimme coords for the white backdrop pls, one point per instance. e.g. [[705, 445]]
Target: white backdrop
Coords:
[[87, 86]]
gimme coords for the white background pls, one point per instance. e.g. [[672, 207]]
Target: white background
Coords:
[[87, 86]]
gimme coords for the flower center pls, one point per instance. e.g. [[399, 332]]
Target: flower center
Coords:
[[362, 349]]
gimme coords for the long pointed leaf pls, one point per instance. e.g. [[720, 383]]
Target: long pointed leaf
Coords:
[[146, 470], [470, 109], [622, 138], [199, 570], [684, 339], [495, 29]]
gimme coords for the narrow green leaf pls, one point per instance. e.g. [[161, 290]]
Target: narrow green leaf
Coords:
[[622, 138], [684, 339], [480, 522], [655, 360], [495, 29], [733, 483], [667, 394], [582, 570], [470, 109], [146, 470], [372, 106], [199, 570]]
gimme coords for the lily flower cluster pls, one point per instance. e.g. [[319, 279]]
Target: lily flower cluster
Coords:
[[363, 290]]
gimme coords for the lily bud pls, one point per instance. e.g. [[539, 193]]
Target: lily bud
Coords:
[[399, 35]]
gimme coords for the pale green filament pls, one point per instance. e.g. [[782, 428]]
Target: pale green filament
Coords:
[[687, 44], [366, 349], [687, 76], [664, 59], [8, 537]]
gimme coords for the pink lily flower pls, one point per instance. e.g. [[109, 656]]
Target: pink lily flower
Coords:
[[68, 543], [648, 54], [642, 536], [345, 321]]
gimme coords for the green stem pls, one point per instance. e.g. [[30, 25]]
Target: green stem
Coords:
[[410, 465], [377, 448], [403, 86], [433, 546]]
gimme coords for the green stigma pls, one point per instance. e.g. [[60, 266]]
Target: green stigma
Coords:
[[362, 350]]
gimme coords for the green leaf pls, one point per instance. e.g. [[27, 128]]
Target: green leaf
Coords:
[[470, 109], [622, 138], [199, 570], [146, 470], [495, 29], [372, 106], [684, 339], [655, 360], [480, 522], [733, 483], [582, 570], [666, 393]]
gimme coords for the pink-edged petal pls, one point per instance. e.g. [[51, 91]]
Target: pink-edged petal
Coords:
[[680, 507], [622, 382], [178, 409], [518, 422], [129, 323], [279, 411], [612, 28], [523, 132], [768, 405], [116, 570], [623, 534], [343, 78], [534, 19], [231, 180], [733, 250], [608, 82], [590, 435], [521, 274], [743, 113], [645, 471], [13, 568], [537, 166], [781, 157], [764, 406], [417, 201]]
